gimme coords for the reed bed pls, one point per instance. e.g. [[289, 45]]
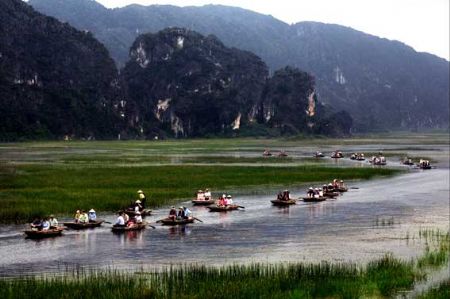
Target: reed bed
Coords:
[[380, 278], [32, 190]]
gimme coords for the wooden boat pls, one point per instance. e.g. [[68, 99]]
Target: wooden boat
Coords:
[[424, 166], [360, 159], [205, 202], [282, 154], [144, 212], [314, 199], [78, 225], [224, 208], [319, 155], [337, 156], [267, 154], [277, 202], [410, 163], [331, 194], [40, 234], [170, 221], [136, 226], [340, 189]]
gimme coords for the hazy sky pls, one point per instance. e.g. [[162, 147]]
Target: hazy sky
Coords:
[[422, 24]]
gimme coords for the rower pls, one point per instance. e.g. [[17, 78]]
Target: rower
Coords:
[[36, 224], [138, 206], [187, 213], [310, 192], [172, 213], [316, 193], [92, 215], [142, 199], [53, 222]]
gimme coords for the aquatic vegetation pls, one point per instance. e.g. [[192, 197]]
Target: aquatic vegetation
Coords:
[[69, 180], [442, 291]]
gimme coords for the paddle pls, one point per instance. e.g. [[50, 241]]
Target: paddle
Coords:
[[159, 221], [354, 187], [151, 226], [197, 219], [107, 222], [241, 207]]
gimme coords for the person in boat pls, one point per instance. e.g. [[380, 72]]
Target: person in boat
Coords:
[[335, 184], [53, 221], [92, 216], [316, 193], [126, 217], [310, 192], [353, 156], [229, 200], [138, 218], [84, 217], [142, 199], [180, 214], [200, 195], [172, 213], [77, 216], [36, 224], [279, 196], [221, 201], [120, 221], [286, 195], [207, 194], [45, 224], [341, 184], [187, 213], [138, 206]]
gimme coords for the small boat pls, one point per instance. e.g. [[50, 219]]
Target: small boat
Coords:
[[78, 225], [360, 159], [136, 226], [170, 221], [144, 212], [337, 155], [40, 234], [319, 155], [282, 154], [424, 166], [330, 194], [202, 202], [408, 162], [224, 208], [277, 202], [267, 153], [314, 199], [340, 189]]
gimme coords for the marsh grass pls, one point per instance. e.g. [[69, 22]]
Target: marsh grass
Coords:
[[27, 191], [383, 277], [442, 291]]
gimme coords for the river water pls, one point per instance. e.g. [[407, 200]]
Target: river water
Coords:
[[374, 218]]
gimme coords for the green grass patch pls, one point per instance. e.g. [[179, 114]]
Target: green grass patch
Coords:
[[30, 190], [381, 278]]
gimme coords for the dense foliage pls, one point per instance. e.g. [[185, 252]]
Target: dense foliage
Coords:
[[54, 80], [382, 84]]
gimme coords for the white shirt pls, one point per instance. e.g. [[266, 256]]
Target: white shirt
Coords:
[[120, 221], [138, 218]]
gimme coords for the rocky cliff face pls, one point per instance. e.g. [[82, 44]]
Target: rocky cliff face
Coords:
[[383, 84], [54, 79], [183, 84], [190, 85]]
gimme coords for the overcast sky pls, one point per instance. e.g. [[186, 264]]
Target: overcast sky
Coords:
[[422, 24]]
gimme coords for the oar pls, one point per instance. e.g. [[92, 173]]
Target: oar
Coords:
[[241, 207], [354, 187], [159, 221], [107, 222], [151, 226], [197, 219]]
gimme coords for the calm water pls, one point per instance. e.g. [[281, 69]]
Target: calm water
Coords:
[[364, 223]]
